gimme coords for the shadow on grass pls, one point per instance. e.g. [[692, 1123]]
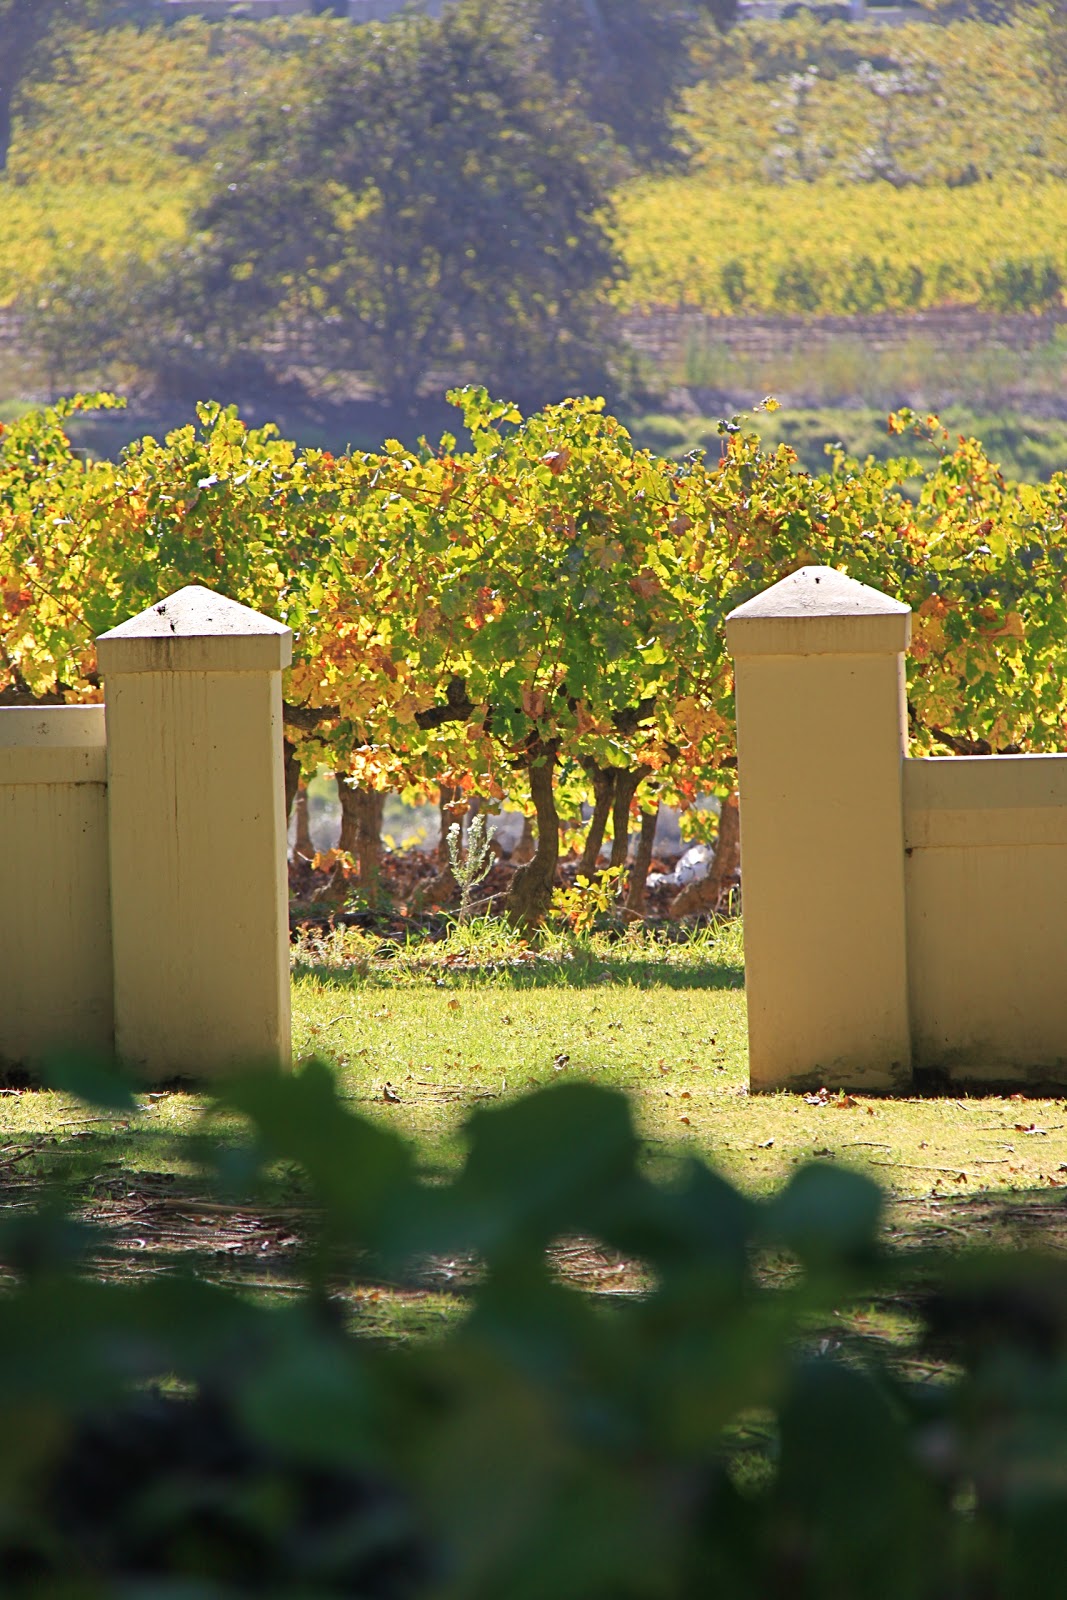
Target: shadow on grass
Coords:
[[142, 1208], [153, 1210], [991, 1219], [541, 973]]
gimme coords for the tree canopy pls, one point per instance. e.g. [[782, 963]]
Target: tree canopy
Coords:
[[425, 201], [624, 62]]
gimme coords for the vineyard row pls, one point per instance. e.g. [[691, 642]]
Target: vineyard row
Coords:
[[539, 617]]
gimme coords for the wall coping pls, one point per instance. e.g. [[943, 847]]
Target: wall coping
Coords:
[[52, 744], [52, 726], [819, 611], [196, 630], [982, 802]]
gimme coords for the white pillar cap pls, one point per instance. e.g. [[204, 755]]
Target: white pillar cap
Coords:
[[196, 630], [819, 611]]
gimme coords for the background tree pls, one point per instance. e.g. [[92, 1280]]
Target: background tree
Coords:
[[625, 62], [427, 202]]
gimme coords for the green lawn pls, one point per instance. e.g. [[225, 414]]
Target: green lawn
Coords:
[[421, 1034], [444, 1028]]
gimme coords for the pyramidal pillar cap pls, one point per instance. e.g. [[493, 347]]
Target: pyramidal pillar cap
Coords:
[[819, 611], [196, 630]]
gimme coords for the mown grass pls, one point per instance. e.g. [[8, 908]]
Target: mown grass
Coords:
[[421, 1033], [476, 1019]]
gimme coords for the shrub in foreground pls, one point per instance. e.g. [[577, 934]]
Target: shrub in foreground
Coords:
[[717, 1431]]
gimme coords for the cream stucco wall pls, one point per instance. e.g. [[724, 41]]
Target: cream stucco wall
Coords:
[[900, 914], [822, 832], [143, 882], [55, 948], [986, 875]]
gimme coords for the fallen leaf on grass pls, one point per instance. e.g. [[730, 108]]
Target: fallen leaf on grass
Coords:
[[453, 1005], [823, 1097], [685, 1120]]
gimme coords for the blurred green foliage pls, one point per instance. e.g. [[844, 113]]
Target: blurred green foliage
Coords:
[[716, 1432]]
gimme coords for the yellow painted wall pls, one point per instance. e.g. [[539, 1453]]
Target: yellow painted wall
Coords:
[[986, 877], [200, 923], [199, 886], [55, 948], [822, 832], [900, 914], [143, 880]]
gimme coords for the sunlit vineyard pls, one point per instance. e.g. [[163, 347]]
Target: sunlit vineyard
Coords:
[[828, 248], [687, 241], [109, 156], [774, 215], [790, 128], [50, 228], [145, 106], [795, 101]]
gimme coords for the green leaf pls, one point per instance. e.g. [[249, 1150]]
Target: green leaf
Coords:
[[547, 1164], [826, 1215], [96, 1079], [358, 1170]]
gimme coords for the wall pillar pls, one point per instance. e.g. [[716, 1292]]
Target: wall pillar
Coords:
[[821, 727], [196, 802]]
